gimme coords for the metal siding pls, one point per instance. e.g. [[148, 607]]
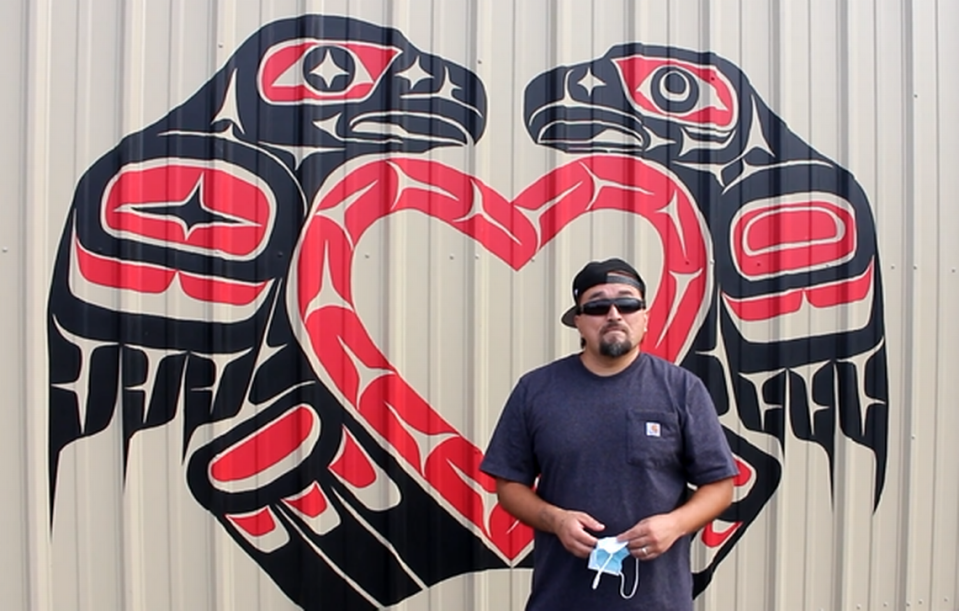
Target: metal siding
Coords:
[[14, 511], [869, 85], [945, 560]]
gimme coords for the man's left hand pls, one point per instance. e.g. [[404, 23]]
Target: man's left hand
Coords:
[[652, 536]]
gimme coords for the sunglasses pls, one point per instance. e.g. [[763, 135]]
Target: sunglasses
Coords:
[[624, 305]]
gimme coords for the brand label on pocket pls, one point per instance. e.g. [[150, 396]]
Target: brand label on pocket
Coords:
[[652, 429]]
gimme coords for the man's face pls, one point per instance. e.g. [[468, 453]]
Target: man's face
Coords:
[[613, 333]]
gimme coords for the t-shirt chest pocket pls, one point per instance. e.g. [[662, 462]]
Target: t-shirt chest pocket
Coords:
[[653, 438]]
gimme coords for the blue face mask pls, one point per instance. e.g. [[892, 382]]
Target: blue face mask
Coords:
[[607, 557]]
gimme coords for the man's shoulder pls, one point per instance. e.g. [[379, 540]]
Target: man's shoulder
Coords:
[[654, 365], [560, 368]]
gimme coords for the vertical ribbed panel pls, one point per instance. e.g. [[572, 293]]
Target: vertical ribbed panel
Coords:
[[440, 301], [15, 509]]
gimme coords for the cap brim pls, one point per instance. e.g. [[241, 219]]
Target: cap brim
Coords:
[[569, 317]]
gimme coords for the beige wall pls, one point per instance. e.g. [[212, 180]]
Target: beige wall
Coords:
[[870, 86]]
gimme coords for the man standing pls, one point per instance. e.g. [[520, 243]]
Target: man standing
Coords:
[[611, 437]]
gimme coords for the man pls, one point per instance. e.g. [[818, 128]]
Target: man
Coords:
[[610, 437]]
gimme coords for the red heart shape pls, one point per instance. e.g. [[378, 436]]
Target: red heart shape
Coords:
[[348, 360]]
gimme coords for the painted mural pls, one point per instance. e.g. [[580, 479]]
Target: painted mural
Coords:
[[205, 273]]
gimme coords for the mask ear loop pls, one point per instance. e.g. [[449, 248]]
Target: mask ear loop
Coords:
[[599, 572], [622, 581]]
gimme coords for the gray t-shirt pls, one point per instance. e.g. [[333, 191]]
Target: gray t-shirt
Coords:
[[620, 448]]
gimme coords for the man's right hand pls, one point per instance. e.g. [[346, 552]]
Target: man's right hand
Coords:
[[569, 526]]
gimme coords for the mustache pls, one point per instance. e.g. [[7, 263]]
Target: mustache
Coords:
[[614, 327]]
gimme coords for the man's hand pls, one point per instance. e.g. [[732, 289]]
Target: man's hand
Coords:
[[569, 526], [653, 536]]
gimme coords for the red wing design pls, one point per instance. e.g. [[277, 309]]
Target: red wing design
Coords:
[[167, 304], [209, 210], [811, 232]]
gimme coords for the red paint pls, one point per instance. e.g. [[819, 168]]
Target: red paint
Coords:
[[783, 238], [766, 307], [311, 504], [715, 539], [372, 62], [217, 290], [718, 107], [119, 274], [352, 464], [153, 279], [257, 524], [220, 191], [338, 340], [745, 474], [266, 447]]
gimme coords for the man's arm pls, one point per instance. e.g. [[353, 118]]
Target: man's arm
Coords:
[[654, 535], [569, 526]]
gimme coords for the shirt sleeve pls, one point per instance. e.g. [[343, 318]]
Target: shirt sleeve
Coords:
[[510, 453], [706, 451]]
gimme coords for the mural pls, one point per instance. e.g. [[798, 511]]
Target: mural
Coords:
[[205, 273]]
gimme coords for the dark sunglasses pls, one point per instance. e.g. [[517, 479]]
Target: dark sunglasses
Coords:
[[624, 305]]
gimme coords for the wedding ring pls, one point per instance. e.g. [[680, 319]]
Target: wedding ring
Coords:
[[643, 550]]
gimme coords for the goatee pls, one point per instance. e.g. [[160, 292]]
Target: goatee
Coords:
[[615, 348]]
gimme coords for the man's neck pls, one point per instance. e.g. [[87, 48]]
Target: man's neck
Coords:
[[607, 365]]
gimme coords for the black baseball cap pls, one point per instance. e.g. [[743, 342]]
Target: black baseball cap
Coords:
[[610, 271]]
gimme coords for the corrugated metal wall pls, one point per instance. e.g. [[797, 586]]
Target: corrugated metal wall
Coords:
[[459, 307]]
